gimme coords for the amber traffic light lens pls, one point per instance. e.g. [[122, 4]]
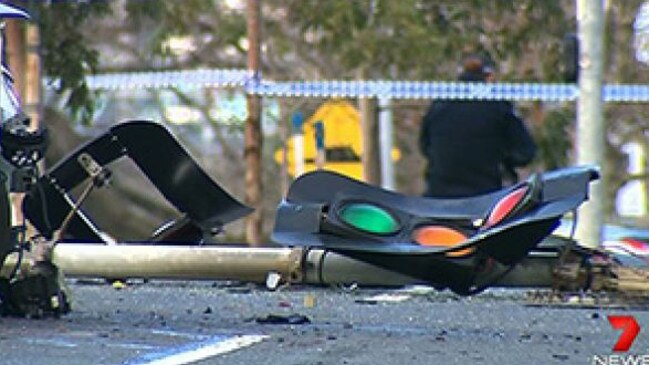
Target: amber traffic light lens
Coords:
[[440, 236]]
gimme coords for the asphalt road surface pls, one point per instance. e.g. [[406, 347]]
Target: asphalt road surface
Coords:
[[162, 322]]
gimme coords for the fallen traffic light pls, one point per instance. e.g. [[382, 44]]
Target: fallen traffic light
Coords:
[[463, 244]]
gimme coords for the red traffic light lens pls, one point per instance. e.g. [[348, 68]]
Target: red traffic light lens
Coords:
[[505, 206]]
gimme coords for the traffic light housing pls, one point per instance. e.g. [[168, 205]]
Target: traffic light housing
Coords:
[[463, 244]]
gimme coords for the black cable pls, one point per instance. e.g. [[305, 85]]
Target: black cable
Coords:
[[44, 207], [75, 209]]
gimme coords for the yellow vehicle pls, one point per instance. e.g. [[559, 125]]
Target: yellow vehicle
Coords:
[[342, 140]]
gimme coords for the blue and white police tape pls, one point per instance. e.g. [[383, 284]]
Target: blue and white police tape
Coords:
[[251, 83]]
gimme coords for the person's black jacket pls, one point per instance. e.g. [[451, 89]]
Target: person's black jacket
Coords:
[[469, 144]]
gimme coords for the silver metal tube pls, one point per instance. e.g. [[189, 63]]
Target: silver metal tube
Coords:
[[312, 267], [386, 143], [176, 262], [326, 267], [591, 129]]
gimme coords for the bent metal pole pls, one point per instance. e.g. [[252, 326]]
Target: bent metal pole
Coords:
[[176, 262], [295, 265]]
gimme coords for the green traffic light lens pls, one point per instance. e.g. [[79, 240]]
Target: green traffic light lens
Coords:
[[369, 218]]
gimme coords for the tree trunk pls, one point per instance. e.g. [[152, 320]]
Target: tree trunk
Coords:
[[371, 158], [253, 132], [15, 48]]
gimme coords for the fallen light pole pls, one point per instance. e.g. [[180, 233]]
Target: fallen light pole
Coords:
[[175, 262], [547, 267], [294, 265]]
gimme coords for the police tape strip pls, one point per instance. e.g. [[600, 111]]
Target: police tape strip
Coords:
[[254, 84]]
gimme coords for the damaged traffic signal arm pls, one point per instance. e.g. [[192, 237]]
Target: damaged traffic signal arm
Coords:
[[161, 159]]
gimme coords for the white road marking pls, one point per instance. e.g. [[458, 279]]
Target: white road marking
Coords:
[[186, 356], [388, 297]]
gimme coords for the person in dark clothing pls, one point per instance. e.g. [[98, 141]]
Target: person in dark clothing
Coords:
[[471, 144]]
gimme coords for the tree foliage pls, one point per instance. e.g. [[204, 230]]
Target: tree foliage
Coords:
[[67, 57], [413, 39]]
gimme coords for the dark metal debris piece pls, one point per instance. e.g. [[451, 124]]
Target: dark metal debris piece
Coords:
[[280, 319]]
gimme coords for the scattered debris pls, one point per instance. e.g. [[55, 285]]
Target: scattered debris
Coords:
[[309, 301], [366, 301], [118, 285], [272, 280], [560, 357], [595, 300], [292, 319], [227, 284], [349, 288], [419, 290], [243, 290], [586, 278]]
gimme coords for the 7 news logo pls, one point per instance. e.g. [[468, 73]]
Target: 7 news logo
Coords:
[[630, 329]]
